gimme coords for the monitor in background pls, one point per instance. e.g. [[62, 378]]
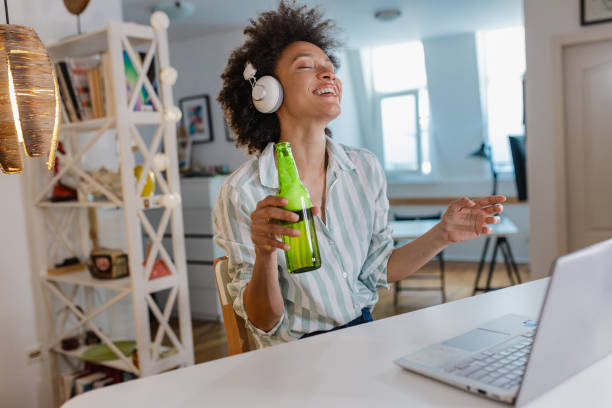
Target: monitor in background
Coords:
[[519, 159]]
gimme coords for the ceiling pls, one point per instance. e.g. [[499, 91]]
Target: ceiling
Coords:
[[420, 18]]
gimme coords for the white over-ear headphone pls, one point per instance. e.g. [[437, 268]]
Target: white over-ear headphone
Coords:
[[267, 91]]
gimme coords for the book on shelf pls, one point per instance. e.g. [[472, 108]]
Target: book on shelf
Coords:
[[86, 86], [66, 91], [66, 383], [108, 98], [78, 72], [95, 92], [103, 383], [84, 384]]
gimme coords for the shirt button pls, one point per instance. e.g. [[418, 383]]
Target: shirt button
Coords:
[[332, 242], [344, 275]]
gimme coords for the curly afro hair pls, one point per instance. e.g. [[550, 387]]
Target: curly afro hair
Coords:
[[267, 37]]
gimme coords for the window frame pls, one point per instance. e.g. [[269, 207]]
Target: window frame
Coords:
[[503, 168], [380, 96]]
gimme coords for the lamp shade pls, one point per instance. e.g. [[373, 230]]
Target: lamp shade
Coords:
[[76, 7], [29, 99]]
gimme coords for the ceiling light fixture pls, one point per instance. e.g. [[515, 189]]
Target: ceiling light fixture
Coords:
[[387, 14], [29, 98], [176, 10]]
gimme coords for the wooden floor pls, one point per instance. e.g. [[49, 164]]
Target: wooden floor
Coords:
[[209, 337]]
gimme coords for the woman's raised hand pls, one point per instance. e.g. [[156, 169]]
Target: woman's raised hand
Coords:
[[466, 219]]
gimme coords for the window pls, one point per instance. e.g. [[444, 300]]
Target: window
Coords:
[[400, 92], [502, 57]]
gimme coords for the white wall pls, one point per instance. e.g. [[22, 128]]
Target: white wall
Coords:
[[540, 26], [200, 62], [346, 127], [454, 93], [23, 385]]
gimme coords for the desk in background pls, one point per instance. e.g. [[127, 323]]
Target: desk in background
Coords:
[[352, 367], [407, 230]]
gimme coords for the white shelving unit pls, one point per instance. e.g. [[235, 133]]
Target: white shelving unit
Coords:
[[62, 225]]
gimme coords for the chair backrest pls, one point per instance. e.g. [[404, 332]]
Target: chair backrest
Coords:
[[235, 329]]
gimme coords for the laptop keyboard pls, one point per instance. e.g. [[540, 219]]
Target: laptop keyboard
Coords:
[[502, 366]]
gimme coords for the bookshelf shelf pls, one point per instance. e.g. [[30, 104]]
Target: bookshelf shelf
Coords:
[[143, 203], [62, 227], [93, 42], [84, 278], [87, 125], [77, 353], [77, 204]]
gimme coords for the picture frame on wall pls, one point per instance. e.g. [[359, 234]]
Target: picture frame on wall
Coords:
[[196, 118], [229, 135], [595, 11]]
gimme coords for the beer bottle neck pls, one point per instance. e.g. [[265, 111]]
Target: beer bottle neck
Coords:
[[287, 170]]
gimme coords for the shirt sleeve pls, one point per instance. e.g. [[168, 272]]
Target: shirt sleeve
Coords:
[[374, 271], [231, 224]]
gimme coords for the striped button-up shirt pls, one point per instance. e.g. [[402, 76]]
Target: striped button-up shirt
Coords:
[[355, 242]]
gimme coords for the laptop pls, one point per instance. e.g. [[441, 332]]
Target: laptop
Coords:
[[515, 358]]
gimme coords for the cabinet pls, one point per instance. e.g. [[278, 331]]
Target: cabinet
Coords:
[[198, 198], [147, 138]]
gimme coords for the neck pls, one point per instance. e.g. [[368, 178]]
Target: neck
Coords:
[[308, 146]]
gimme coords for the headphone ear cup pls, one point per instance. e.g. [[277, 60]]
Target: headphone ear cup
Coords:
[[267, 94]]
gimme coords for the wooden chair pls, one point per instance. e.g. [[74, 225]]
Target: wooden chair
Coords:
[[235, 330]]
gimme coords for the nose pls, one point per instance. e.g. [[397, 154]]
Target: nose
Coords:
[[327, 74]]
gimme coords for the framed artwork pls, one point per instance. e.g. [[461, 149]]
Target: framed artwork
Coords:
[[196, 118], [229, 135], [595, 11]]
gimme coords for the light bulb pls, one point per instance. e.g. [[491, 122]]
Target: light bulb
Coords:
[[160, 20], [160, 161], [172, 114], [170, 200], [168, 76]]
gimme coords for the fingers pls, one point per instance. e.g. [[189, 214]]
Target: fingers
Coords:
[[482, 212], [461, 203], [486, 201], [273, 213], [268, 243], [493, 209], [273, 229], [272, 201], [492, 220]]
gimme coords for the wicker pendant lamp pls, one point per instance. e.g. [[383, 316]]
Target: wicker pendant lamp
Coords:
[[29, 98]]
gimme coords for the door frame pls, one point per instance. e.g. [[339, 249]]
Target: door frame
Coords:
[[559, 43]]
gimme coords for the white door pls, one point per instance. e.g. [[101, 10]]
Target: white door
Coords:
[[587, 82]]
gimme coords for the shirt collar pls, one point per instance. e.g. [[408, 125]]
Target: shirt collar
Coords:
[[337, 157]]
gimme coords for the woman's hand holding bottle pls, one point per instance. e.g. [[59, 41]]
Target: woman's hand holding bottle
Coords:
[[265, 227]]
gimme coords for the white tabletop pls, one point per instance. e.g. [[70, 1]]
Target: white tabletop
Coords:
[[352, 367], [415, 228]]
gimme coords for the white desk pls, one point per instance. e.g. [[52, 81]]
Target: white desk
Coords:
[[352, 367]]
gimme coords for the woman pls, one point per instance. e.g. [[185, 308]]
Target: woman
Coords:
[[347, 188]]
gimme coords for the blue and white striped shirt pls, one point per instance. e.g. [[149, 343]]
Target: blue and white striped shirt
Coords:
[[355, 242]]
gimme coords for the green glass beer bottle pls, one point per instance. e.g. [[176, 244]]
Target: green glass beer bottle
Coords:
[[303, 254]]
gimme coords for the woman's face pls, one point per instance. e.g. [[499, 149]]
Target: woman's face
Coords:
[[311, 89]]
